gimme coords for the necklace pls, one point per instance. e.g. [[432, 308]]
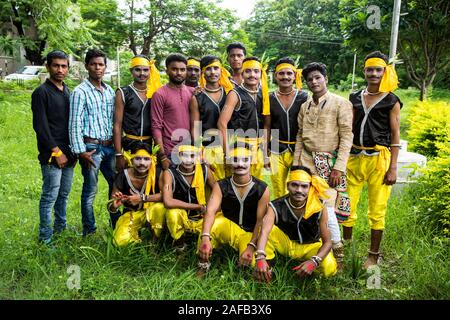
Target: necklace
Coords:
[[294, 207], [240, 185], [184, 173], [285, 94], [140, 90], [248, 90], [213, 90], [372, 93]]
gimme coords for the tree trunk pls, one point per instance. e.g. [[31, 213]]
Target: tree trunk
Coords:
[[423, 92]]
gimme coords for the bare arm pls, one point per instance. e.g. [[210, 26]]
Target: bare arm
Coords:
[[195, 118], [299, 140], [167, 195], [394, 120], [225, 116], [118, 119]]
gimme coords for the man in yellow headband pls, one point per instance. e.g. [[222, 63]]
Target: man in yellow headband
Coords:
[[284, 108], [296, 226], [323, 144], [246, 114], [132, 110], [137, 189], [184, 194], [376, 143], [193, 72], [243, 200], [205, 108]]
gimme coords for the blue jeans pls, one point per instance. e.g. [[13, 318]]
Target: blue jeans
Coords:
[[56, 185], [104, 159]]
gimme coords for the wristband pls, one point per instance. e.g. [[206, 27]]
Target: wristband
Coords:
[[119, 155], [252, 244], [206, 235]]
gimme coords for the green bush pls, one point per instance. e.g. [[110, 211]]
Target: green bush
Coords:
[[346, 85], [429, 125]]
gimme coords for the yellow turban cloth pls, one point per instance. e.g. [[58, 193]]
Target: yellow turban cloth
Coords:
[[154, 81], [224, 80], [151, 178], [389, 81], [193, 62], [253, 64], [198, 182], [240, 152], [316, 190], [298, 73]]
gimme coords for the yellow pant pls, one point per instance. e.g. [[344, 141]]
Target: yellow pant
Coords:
[[280, 242], [280, 165], [214, 157], [156, 217], [226, 232], [178, 223], [360, 169], [127, 228]]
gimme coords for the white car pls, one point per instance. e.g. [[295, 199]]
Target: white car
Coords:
[[26, 73]]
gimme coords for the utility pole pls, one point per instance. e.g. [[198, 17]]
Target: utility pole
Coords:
[[394, 30]]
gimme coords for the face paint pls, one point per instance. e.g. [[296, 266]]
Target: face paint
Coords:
[[241, 165], [141, 164], [260, 264], [188, 160]]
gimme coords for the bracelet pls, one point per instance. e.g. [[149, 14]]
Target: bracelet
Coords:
[[260, 252], [252, 244], [207, 235], [143, 197], [260, 258], [317, 260], [119, 155], [395, 145], [110, 210]]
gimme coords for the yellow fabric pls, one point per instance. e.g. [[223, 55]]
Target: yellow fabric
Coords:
[[154, 81], [151, 177], [361, 169], [139, 61], [298, 73], [384, 156], [198, 182], [193, 62], [133, 137], [389, 81], [253, 64], [178, 223], [280, 165], [56, 155], [317, 191], [287, 142], [141, 153], [279, 242], [127, 228], [214, 157], [240, 152], [224, 80], [156, 217], [226, 232]]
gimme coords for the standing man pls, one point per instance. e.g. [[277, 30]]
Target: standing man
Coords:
[[205, 108], [284, 108], [247, 114], [192, 72], [132, 109], [236, 54], [376, 143], [324, 140], [91, 131], [50, 104], [170, 109]]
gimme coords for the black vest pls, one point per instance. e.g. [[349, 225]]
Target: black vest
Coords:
[[248, 115], [286, 121], [183, 191], [243, 212], [373, 127], [209, 113], [136, 116], [300, 230]]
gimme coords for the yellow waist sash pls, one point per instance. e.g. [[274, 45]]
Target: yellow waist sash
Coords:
[[383, 157], [133, 137]]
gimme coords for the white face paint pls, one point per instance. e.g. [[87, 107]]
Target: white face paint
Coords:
[[188, 160], [241, 165], [141, 164]]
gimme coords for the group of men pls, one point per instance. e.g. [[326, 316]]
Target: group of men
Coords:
[[188, 156]]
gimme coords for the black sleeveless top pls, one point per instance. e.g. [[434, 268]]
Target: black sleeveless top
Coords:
[[123, 183], [248, 115], [136, 116], [209, 113], [285, 120], [241, 211], [372, 126], [300, 230], [183, 191]]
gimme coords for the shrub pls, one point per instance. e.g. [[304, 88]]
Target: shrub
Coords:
[[429, 125]]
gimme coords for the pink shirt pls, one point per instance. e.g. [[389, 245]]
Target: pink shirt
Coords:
[[169, 112]]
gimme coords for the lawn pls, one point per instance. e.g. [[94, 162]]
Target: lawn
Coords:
[[416, 264]]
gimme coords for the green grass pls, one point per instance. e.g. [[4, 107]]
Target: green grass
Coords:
[[416, 263]]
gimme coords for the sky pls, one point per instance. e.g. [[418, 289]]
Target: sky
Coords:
[[243, 8]]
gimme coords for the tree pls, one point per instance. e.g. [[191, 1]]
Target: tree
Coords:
[[424, 35], [42, 25]]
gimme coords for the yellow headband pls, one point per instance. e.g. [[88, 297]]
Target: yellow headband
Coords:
[[139, 61], [298, 73], [188, 148], [316, 191], [224, 80], [198, 181], [253, 64], [389, 81], [151, 180], [141, 153], [193, 62], [240, 152]]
